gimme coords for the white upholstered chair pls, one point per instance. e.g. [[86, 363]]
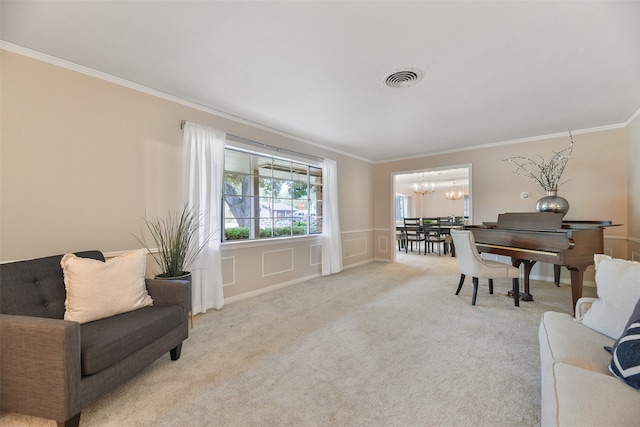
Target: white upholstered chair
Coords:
[[471, 264]]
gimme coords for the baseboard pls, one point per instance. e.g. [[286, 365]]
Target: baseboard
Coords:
[[275, 287], [356, 264], [271, 288], [565, 281]]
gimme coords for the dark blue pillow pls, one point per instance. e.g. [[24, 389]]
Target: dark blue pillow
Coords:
[[625, 362]]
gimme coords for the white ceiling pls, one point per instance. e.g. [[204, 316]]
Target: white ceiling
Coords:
[[492, 71]]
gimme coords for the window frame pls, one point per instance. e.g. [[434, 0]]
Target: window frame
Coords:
[[402, 206], [265, 214]]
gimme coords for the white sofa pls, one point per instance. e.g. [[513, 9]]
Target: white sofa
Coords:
[[576, 385]]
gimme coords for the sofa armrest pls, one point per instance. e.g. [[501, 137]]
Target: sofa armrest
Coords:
[[170, 292], [40, 366], [583, 305]]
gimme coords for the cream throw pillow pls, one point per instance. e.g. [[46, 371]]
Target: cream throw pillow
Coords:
[[97, 289], [618, 285]]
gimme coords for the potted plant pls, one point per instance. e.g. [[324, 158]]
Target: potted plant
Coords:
[[175, 239]]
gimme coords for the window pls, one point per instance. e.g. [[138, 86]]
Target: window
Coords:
[[266, 196], [466, 206], [402, 205]]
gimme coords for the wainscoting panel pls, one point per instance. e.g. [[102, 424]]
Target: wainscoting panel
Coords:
[[354, 247], [383, 244], [276, 262], [228, 271], [315, 255]]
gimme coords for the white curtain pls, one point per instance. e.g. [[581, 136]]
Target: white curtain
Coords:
[[331, 237], [203, 169]]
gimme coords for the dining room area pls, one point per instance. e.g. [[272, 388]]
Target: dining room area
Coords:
[[428, 205], [428, 235]]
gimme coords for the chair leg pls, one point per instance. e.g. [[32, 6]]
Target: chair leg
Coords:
[[460, 284], [516, 292], [475, 291], [491, 286]]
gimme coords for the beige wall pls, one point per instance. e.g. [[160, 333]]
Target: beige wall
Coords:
[[433, 204], [83, 159]]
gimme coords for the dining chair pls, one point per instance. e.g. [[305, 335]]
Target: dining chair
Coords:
[[433, 234], [413, 232], [401, 238], [471, 264]]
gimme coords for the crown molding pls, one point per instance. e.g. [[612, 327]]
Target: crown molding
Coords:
[[516, 141], [633, 117]]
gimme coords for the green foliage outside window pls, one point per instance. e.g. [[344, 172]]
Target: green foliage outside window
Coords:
[[298, 229], [266, 197]]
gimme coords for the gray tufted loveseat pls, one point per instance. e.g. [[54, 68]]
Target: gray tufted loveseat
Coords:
[[53, 368]]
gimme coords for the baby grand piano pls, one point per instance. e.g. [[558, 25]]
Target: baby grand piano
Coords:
[[529, 237]]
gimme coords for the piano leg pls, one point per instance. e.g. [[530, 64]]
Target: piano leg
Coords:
[[577, 275], [556, 274], [528, 265], [515, 292]]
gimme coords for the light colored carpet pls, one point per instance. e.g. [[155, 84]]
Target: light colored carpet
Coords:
[[377, 345]]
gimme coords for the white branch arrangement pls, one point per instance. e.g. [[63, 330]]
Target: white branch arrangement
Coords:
[[547, 175]]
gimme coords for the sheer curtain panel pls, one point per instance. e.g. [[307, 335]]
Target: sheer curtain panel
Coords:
[[331, 238], [203, 167]]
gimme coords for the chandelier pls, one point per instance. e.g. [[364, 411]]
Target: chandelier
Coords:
[[423, 188], [453, 194]]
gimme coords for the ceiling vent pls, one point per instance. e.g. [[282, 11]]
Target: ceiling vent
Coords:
[[403, 78]]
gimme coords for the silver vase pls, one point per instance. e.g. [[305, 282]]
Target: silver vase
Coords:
[[553, 203]]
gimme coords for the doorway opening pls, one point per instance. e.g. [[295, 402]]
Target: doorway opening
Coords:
[[432, 192]]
